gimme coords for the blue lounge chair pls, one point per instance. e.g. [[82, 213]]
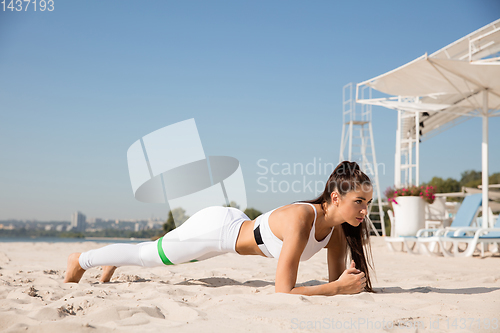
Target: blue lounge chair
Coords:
[[428, 239], [463, 235]]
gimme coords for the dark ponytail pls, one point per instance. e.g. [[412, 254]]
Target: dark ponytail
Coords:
[[347, 177]]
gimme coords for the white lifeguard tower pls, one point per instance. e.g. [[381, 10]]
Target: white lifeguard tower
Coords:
[[357, 145]]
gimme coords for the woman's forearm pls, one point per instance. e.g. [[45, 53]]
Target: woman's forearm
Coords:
[[327, 289]]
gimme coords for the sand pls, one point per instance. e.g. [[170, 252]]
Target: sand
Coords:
[[232, 293]]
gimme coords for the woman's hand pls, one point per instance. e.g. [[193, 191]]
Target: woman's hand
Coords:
[[352, 281]]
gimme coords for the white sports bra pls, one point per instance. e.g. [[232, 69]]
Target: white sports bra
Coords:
[[271, 245]]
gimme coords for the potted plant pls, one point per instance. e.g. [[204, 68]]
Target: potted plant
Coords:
[[408, 204]]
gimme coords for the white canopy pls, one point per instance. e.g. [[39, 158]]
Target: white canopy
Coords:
[[454, 84]]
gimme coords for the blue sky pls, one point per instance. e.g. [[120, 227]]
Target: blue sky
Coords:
[[263, 80]]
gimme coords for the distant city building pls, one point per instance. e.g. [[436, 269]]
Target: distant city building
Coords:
[[92, 220], [140, 225], [155, 224], [78, 221], [7, 227]]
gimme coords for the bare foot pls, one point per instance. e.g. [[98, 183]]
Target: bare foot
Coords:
[[74, 271], [107, 273]]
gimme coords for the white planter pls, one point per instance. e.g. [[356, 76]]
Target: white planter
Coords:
[[409, 213]]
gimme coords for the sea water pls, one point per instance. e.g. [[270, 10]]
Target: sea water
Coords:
[[70, 240]]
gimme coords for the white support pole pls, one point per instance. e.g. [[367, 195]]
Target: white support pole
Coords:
[[352, 118], [417, 149], [375, 173], [406, 164], [410, 159], [363, 145], [343, 139], [342, 143], [350, 141], [485, 181], [397, 159]]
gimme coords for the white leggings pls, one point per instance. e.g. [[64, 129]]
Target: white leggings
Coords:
[[210, 232]]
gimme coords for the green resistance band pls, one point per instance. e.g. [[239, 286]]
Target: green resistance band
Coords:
[[162, 254], [163, 257]]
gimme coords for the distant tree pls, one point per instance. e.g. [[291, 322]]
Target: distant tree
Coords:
[[169, 223], [252, 213], [175, 215], [445, 185], [495, 178], [473, 178], [179, 215], [470, 178], [232, 204]]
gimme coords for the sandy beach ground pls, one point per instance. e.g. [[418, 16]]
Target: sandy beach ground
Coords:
[[232, 293]]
